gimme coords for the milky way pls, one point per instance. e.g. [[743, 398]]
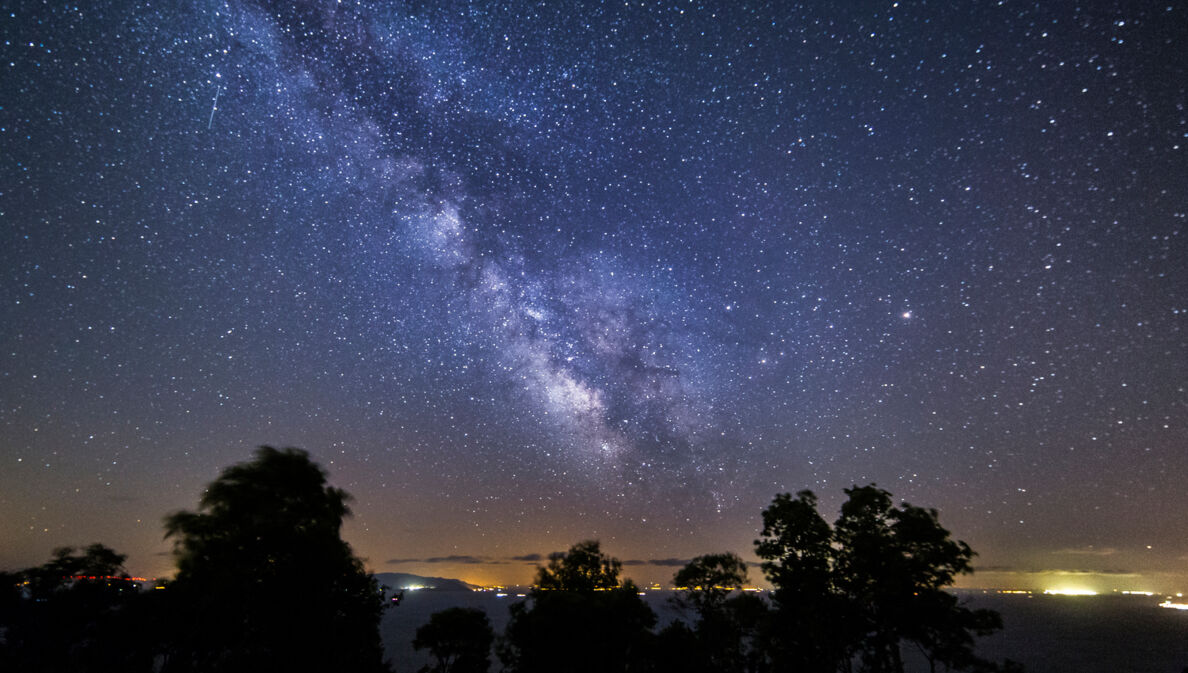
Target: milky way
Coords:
[[520, 275]]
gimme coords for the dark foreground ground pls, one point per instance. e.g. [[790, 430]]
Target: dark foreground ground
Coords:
[[1048, 634]]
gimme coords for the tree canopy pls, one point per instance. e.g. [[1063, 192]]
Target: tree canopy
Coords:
[[459, 639], [579, 618], [723, 638], [97, 566], [866, 585], [583, 568], [70, 614], [265, 581], [707, 580]]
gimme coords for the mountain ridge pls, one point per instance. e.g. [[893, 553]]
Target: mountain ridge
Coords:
[[395, 581]]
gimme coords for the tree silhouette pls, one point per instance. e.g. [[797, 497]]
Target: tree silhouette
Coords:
[[813, 627], [459, 638], [707, 581], [71, 614], [723, 639], [265, 581], [584, 568], [95, 566], [579, 618], [862, 588], [895, 563]]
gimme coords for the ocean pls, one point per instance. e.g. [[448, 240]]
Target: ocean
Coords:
[[1047, 634]]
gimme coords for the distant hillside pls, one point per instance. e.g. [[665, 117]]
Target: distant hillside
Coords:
[[398, 581]]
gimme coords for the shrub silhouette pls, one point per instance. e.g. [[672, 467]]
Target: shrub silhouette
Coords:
[[459, 639]]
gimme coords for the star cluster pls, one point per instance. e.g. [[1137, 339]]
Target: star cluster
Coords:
[[524, 273]]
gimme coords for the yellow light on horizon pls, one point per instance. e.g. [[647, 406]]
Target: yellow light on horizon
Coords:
[[1174, 606], [1070, 592]]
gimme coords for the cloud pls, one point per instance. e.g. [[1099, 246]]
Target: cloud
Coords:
[[669, 562], [662, 562], [456, 558], [1088, 551], [1060, 572], [527, 558], [469, 560]]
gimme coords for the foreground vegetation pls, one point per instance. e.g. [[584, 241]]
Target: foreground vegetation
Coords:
[[265, 582]]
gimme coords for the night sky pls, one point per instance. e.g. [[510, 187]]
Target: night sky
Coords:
[[520, 274]]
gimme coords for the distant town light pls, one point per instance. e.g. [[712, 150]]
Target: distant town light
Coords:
[[1070, 592]]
